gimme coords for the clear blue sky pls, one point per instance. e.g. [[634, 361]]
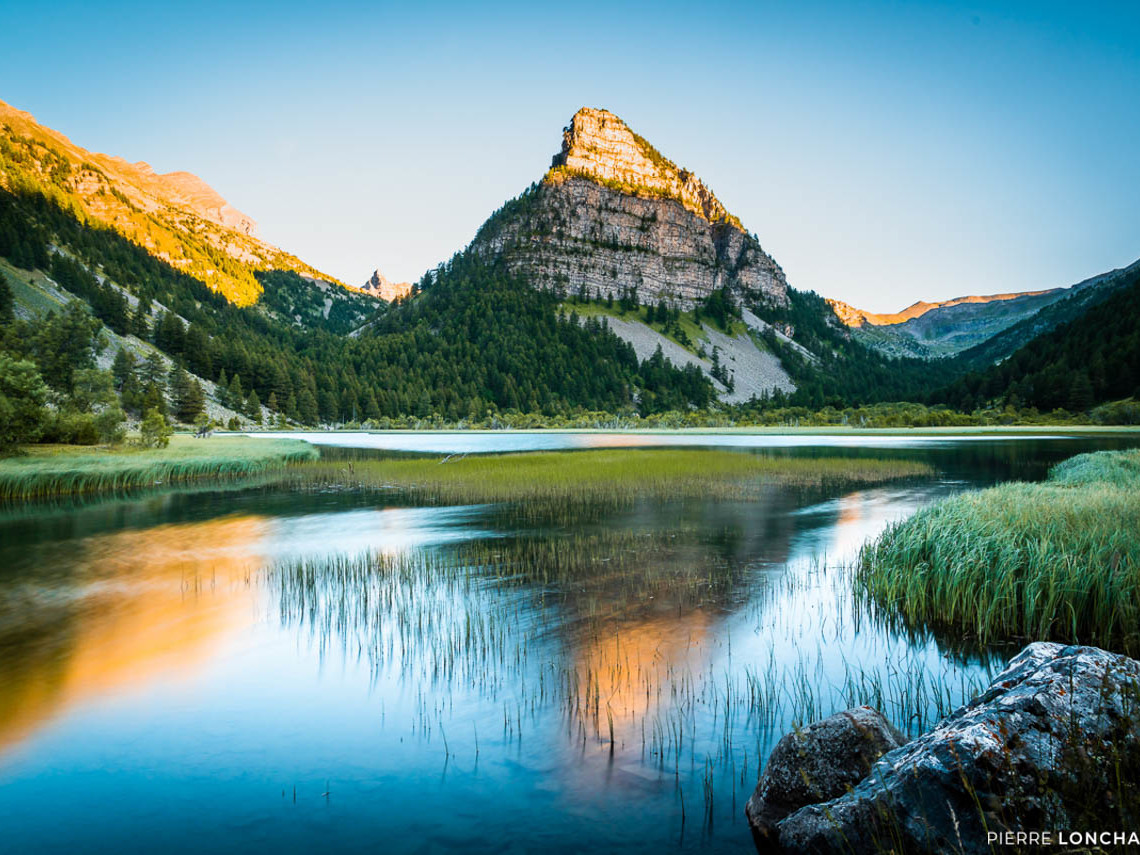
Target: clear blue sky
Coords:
[[883, 151]]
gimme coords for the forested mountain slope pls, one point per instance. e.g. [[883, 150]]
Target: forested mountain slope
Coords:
[[1074, 365], [176, 217], [1075, 301], [475, 340]]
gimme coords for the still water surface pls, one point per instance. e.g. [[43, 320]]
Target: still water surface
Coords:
[[257, 669]]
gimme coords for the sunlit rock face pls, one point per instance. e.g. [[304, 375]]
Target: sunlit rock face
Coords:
[[380, 286], [613, 214]]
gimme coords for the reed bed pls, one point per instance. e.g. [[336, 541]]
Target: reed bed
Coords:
[[71, 472], [1057, 560], [609, 476], [611, 632]]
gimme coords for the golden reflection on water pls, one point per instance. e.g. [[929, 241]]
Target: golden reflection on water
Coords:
[[628, 671], [141, 606]]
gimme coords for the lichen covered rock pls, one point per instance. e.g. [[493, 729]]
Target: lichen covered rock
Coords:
[[1053, 746], [820, 762]]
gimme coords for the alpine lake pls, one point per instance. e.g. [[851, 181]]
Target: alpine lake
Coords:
[[266, 668]]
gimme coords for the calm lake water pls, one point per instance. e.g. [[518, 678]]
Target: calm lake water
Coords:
[[258, 669]]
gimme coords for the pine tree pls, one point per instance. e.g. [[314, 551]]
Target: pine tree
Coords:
[[371, 408], [140, 322], [1080, 393], [193, 402], [126, 380], [178, 385], [235, 396], [221, 387], [253, 407], [152, 399], [123, 367], [6, 301], [153, 370], [307, 407], [272, 402], [155, 431]]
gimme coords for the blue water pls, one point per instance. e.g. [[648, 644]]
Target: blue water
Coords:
[[165, 686]]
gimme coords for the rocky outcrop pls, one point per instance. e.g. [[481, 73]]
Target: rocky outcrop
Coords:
[[380, 286], [1052, 747], [600, 146], [190, 191], [820, 762], [612, 215]]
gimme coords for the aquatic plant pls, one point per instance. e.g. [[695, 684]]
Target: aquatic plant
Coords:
[[613, 476], [1057, 560], [64, 472], [619, 633]]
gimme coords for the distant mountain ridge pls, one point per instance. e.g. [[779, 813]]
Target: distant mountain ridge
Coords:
[[1074, 302], [1079, 352], [854, 317], [932, 330], [176, 216]]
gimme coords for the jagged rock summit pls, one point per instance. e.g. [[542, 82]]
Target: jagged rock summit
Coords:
[[380, 286], [613, 214], [600, 146]]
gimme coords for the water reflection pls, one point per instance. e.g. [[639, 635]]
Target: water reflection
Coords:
[[111, 612], [453, 678], [135, 607]]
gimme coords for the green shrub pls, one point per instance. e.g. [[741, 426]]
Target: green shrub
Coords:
[[1117, 413], [22, 397], [72, 428], [110, 424], [155, 432]]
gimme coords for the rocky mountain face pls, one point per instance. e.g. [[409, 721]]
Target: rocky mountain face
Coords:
[[176, 217], [613, 214], [381, 287]]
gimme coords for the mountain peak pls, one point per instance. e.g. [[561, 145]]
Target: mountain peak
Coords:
[[379, 285], [600, 146]]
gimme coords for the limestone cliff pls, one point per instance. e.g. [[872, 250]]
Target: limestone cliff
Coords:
[[613, 214]]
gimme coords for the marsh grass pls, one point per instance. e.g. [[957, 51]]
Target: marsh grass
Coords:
[[67, 471], [610, 631], [607, 476], [1057, 560]]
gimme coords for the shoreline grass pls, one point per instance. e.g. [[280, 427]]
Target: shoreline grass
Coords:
[[598, 475], [1059, 560], [56, 471]]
